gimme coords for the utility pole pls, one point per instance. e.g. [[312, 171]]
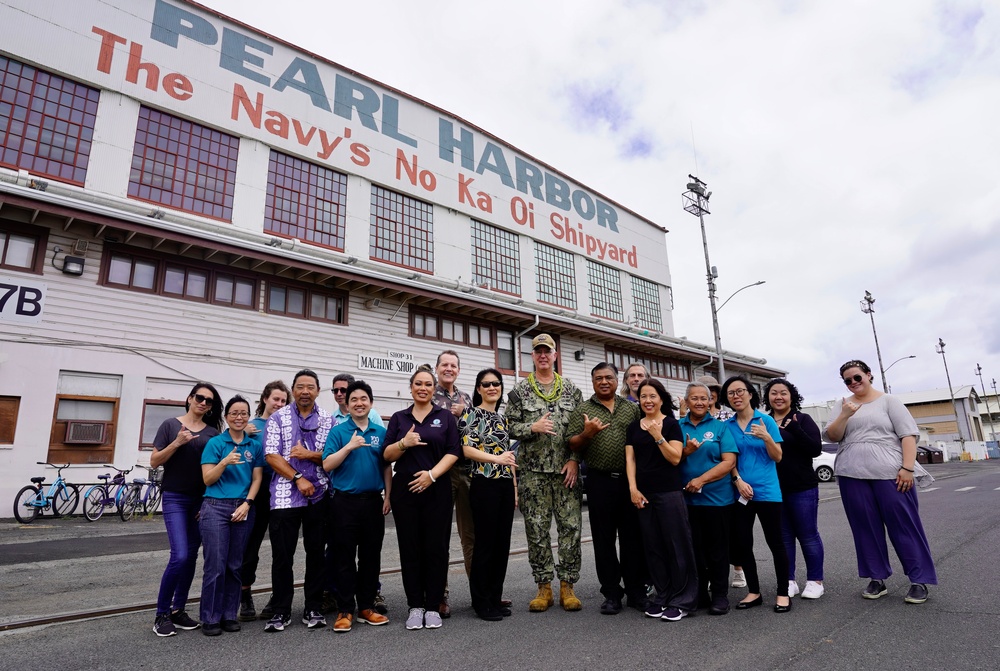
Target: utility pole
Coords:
[[868, 307], [696, 203], [958, 424]]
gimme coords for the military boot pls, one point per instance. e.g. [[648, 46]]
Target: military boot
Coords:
[[543, 600], [567, 598]]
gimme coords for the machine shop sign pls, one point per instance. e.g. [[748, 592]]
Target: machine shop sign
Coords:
[[21, 300], [399, 363]]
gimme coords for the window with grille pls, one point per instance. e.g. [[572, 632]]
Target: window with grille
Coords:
[[646, 303], [556, 276], [46, 122], [496, 258], [183, 165], [450, 329], [305, 201], [605, 291], [402, 230]]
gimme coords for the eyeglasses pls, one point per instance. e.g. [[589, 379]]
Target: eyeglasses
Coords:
[[851, 380], [203, 399], [491, 383], [237, 415], [340, 390], [736, 392]]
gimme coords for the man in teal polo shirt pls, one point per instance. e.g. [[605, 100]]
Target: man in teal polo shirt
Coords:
[[358, 476]]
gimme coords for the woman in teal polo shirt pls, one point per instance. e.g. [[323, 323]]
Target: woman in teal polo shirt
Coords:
[[756, 478], [232, 466]]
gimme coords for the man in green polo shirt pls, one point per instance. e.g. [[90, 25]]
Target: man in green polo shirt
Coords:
[[597, 431]]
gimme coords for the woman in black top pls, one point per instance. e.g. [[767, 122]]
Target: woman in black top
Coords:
[[799, 485], [423, 442], [178, 446], [653, 448]]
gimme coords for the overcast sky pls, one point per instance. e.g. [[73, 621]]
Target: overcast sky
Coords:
[[849, 145]]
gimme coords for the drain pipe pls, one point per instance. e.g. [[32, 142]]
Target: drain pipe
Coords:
[[517, 346]]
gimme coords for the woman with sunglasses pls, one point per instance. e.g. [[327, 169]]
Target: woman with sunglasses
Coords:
[[492, 493], [876, 467], [231, 466], [756, 478], [799, 484], [178, 445]]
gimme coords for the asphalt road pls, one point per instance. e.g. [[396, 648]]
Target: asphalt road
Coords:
[[955, 629]]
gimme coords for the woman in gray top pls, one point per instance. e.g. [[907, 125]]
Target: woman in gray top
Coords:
[[876, 467]]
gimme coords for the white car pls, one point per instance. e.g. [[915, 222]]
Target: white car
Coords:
[[823, 464]]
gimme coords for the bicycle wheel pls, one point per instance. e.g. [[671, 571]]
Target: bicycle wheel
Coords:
[[130, 503], [66, 500], [25, 509], [153, 496], [93, 503]]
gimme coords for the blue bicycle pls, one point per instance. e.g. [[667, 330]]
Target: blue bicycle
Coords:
[[106, 494], [146, 493], [61, 497]]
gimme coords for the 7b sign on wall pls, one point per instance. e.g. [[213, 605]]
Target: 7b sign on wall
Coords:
[[21, 300]]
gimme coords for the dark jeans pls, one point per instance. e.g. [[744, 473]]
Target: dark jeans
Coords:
[[359, 526], [666, 535], [710, 533], [423, 531], [261, 519], [613, 517], [492, 503], [769, 513], [180, 513], [223, 543], [284, 528], [799, 513]]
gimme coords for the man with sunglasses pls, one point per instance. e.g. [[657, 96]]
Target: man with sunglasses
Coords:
[[340, 383], [538, 411]]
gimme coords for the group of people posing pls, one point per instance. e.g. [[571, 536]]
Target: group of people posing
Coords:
[[672, 503]]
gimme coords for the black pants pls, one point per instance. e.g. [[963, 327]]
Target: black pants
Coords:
[[423, 531], [284, 528], [742, 553], [710, 533], [261, 520], [359, 527], [614, 517], [492, 503], [666, 536]]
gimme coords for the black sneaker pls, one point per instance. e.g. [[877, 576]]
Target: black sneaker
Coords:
[[611, 607], [267, 612], [917, 593], [380, 605], [876, 589], [247, 612], [183, 621], [163, 626], [313, 619], [278, 622]]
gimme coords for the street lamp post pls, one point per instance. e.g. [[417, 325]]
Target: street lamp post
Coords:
[[940, 350], [912, 356], [755, 284], [979, 372], [695, 201], [868, 307]]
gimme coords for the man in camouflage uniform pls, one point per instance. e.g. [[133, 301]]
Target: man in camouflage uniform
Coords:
[[538, 411]]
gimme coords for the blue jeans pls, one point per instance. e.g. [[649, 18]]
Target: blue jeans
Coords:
[[180, 513], [223, 543], [798, 521]]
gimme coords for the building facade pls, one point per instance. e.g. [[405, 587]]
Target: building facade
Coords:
[[183, 198]]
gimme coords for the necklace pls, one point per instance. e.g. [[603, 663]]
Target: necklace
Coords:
[[549, 396]]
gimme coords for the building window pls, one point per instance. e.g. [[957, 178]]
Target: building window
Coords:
[[86, 417], [9, 406], [646, 302], [154, 413], [22, 247], [402, 230], [506, 356], [305, 303], [496, 258], [183, 165], [663, 367], [46, 122], [188, 281], [556, 276], [450, 329], [605, 291], [305, 201]]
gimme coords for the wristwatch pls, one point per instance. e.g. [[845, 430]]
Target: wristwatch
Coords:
[[296, 477], [661, 441]]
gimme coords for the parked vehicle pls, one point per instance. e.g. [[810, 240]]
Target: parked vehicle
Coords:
[[823, 464]]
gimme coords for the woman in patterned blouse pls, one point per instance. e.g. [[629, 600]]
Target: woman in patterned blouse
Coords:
[[492, 495]]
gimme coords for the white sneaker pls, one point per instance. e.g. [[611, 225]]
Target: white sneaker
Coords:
[[813, 590], [415, 620], [793, 588], [739, 580]]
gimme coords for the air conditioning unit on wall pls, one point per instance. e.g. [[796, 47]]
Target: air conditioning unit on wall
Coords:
[[84, 432]]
